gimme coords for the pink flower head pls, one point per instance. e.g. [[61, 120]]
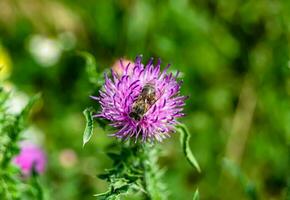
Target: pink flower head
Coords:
[[30, 157], [143, 102]]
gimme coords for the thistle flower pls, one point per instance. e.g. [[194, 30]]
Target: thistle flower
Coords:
[[143, 102], [31, 157]]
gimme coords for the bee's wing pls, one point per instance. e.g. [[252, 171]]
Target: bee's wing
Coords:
[[155, 100]]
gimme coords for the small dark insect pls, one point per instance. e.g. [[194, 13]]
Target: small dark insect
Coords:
[[144, 101]]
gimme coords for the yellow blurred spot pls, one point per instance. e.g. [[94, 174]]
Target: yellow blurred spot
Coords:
[[5, 64]]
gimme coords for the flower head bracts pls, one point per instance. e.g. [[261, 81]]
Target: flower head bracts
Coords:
[[143, 102]]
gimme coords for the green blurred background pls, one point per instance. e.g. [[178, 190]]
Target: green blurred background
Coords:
[[234, 59]]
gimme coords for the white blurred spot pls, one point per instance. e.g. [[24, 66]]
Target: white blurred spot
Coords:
[[16, 102], [44, 50], [34, 134]]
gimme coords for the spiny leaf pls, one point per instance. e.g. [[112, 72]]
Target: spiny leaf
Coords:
[[102, 196], [126, 176], [104, 176], [113, 193], [114, 156], [89, 125], [184, 139], [196, 195]]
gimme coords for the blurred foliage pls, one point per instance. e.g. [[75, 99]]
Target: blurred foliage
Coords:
[[12, 184], [234, 57]]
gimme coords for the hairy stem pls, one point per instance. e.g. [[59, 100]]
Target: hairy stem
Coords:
[[155, 188]]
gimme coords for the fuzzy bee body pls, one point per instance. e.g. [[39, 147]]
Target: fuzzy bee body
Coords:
[[144, 101]]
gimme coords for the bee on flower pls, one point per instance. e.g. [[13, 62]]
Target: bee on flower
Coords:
[[141, 101]]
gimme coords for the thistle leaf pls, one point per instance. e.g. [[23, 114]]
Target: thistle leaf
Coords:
[[89, 125], [114, 193], [184, 140], [196, 195]]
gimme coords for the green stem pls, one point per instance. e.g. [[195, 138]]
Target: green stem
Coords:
[[153, 184], [7, 154], [39, 193]]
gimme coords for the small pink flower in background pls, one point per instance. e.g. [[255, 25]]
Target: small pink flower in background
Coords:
[[120, 65], [68, 158], [30, 157]]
